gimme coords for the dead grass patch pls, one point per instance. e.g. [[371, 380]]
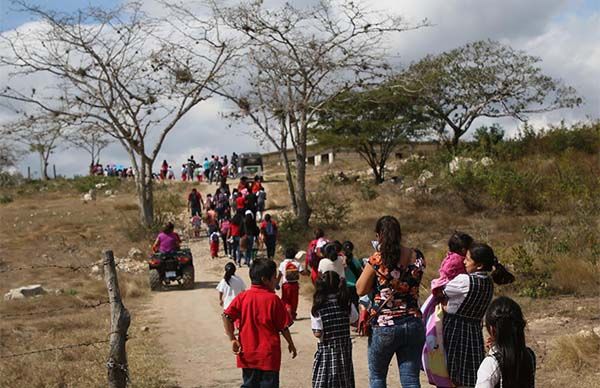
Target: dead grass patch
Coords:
[[576, 276], [126, 207], [579, 352]]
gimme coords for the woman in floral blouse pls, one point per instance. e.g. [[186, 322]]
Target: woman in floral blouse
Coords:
[[393, 275]]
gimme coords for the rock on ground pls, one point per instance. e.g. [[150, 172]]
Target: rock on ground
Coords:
[[25, 292]]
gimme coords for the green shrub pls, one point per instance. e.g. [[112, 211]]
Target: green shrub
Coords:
[[514, 189], [557, 258], [167, 206], [469, 185], [553, 141], [367, 191], [5, 198], [10, 180], [328, 210], [291, 233]]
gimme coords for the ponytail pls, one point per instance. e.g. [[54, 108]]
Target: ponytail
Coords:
[[500, 274], [343, 296], [229, 272]]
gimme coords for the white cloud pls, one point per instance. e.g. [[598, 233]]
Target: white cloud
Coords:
[[556, 30]]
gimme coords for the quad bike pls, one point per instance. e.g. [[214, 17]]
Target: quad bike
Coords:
[[168, 268]]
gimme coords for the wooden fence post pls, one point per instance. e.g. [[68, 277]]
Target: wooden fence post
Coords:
[[119, 323]]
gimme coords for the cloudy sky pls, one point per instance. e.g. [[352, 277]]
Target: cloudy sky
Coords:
[[564, 33]]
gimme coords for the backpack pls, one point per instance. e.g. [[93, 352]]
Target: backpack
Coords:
[[292, 273], [270, 229]]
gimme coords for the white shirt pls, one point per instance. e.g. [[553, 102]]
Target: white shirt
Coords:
[[337, 266], [283, 265], [231, 290], [488, 374], [457, 289]]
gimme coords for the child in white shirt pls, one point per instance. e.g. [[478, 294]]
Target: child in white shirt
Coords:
[[230, 286]]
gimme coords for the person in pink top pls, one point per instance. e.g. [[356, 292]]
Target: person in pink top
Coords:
[[453, 264], [167, 241], [433, 356]]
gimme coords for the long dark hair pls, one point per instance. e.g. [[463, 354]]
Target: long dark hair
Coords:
[[229, 272], [169, 228], [390, 236], [504, 315], [484, 255], [327, 284]]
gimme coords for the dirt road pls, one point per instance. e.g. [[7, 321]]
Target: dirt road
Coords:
[[198, 350]]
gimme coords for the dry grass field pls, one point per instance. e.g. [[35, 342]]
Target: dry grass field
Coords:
[[50, 225]]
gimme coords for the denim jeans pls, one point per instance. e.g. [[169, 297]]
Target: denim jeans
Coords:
[[235, 250], [254, 378], [250, 245], [405, 339]]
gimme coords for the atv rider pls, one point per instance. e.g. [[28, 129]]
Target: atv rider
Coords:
[[167, 241]]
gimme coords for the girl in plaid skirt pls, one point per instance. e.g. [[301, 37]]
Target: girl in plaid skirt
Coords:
[[331, 316], [468, 296]]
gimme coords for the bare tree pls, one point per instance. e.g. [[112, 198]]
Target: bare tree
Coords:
[[482, 79], [131, 75], [91, 139], [296, 60], [39, 133]]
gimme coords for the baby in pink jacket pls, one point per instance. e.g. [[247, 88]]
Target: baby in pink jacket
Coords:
[[453, 263]]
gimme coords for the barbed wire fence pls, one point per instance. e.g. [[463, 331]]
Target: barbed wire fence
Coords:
[[118, 372]]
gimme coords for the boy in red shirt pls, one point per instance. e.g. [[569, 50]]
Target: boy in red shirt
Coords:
[[262, 316]]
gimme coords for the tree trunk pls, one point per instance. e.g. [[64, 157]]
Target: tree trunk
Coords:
[[43, 167], [144, 185], [378, 174], [289, 179], [304, 210], [455, 139]]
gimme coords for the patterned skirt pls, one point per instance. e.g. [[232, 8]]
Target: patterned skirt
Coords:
[[332, 367], [463, 340]]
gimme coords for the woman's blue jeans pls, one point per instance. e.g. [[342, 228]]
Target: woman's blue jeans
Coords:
[[235, 249], [405, 339]]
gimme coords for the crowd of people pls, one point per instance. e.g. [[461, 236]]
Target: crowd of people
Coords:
[[235, 219], [379, 295], [212, 170]]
